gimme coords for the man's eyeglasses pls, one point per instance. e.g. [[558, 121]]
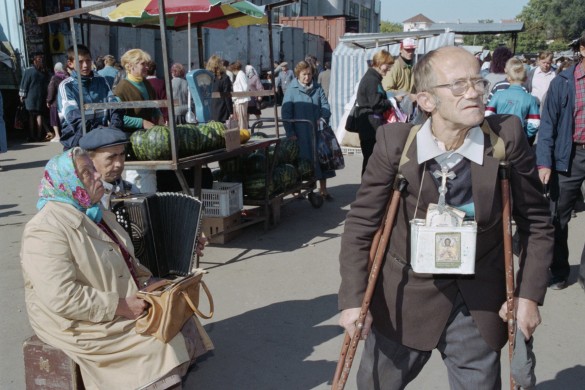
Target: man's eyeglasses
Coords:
[[459, 87]]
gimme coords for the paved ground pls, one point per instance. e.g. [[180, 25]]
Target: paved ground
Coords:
[[275, 296]]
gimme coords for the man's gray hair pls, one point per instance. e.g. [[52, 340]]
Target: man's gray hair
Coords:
[[424, 75]]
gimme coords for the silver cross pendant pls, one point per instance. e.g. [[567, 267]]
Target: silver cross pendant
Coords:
[[444, 174]]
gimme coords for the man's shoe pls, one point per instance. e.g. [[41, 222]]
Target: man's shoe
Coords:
[[557, 283]]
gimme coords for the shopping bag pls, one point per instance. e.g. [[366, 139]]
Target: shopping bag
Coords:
[[328, 150], [20, 117], [351, 124]]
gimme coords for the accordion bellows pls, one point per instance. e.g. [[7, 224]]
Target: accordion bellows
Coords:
[[164, 228]]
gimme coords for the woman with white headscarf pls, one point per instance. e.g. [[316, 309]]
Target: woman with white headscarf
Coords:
[[254, 84]]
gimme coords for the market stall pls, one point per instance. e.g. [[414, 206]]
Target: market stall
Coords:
[[175, 161]]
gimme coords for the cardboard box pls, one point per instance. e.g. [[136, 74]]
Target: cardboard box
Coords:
[[220, 230]]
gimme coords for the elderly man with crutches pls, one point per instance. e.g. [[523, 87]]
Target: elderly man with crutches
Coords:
[[442, 281]]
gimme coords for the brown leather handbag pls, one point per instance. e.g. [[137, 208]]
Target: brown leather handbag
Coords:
[[172, 303]]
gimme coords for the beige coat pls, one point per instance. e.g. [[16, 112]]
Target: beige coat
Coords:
[[74, 275]]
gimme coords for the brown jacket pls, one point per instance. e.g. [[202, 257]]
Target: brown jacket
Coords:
[[413, 308]]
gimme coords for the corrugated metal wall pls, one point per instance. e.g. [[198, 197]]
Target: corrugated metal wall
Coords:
[[11, 25], [350, 63]]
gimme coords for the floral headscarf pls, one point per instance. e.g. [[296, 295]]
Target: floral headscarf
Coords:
[[60, 183]]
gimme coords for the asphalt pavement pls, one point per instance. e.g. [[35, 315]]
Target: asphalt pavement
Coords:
[[275, 294]]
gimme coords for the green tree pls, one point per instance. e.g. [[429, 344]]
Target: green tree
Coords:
[[389, 27], [550, 24]]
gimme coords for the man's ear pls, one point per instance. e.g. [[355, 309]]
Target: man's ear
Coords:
[[426, 101]]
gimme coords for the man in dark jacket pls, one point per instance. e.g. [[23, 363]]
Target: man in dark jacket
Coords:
[[95, 90], [560, 155], [413, 313], [33, 93]]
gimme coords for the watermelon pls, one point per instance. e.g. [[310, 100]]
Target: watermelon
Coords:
[[218, 126], [213, 137], [158, 143], [305, 169], [138, 142], [255, 186], [287, 151], [255, 163], [285, 176], [189, 140], [232, 165]]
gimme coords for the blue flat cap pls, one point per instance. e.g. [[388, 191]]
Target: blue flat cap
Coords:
[[103, 137]]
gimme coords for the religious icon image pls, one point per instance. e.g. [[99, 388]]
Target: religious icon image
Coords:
[[447, 250]]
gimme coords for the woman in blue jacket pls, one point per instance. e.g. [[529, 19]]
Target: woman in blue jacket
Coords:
[[305, 99]]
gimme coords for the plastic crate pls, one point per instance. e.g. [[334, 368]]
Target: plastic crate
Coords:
[[223, 200]]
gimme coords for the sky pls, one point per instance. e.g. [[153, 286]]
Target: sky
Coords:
[[465, 11]]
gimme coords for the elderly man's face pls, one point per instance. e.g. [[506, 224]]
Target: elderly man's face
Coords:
[[109, 162], [462, 111]]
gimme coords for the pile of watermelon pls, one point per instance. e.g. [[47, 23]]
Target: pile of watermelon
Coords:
[[250, 170], [155, 143]]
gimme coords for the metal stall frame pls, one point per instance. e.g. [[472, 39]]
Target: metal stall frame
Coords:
[[175, 164]]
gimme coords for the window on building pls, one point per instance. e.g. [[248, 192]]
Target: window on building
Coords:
[[365, 19]]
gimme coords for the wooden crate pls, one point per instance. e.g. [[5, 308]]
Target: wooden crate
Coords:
[[49, 368]]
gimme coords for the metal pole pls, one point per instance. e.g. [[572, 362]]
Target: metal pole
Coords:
[[168, 86], [271, 51], [76, 54], [200, 46]]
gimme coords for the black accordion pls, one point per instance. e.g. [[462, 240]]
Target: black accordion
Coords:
[[164, 228]]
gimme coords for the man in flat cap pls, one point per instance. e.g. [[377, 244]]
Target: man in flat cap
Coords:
[[107, 149]]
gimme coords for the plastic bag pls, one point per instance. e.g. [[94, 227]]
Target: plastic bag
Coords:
[[20, 117], [328, 149]]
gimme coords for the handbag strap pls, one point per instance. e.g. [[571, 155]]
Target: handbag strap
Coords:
[[194, 308]]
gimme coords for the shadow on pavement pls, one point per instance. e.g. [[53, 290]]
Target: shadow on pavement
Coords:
[[8, 213], [300, 225], [269, 348], [569, 379], [26, 165]]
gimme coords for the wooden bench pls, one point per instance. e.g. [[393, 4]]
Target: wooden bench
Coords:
[[49, 368]]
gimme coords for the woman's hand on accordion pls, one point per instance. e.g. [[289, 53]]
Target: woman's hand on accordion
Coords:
[[201, 242], [131, 307]]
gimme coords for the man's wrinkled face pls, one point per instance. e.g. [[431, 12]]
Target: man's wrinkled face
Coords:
[[462, 111], [109, 162]]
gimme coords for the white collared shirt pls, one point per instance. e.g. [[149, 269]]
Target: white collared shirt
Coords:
[[429, 147], [540, 83]]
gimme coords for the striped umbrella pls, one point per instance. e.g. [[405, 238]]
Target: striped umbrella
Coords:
[[208, 13]]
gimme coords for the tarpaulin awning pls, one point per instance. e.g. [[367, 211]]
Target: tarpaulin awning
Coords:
[[207, 13]]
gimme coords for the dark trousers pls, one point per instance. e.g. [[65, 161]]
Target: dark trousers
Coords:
[[565, 192], [368, 125], [471, 363]]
